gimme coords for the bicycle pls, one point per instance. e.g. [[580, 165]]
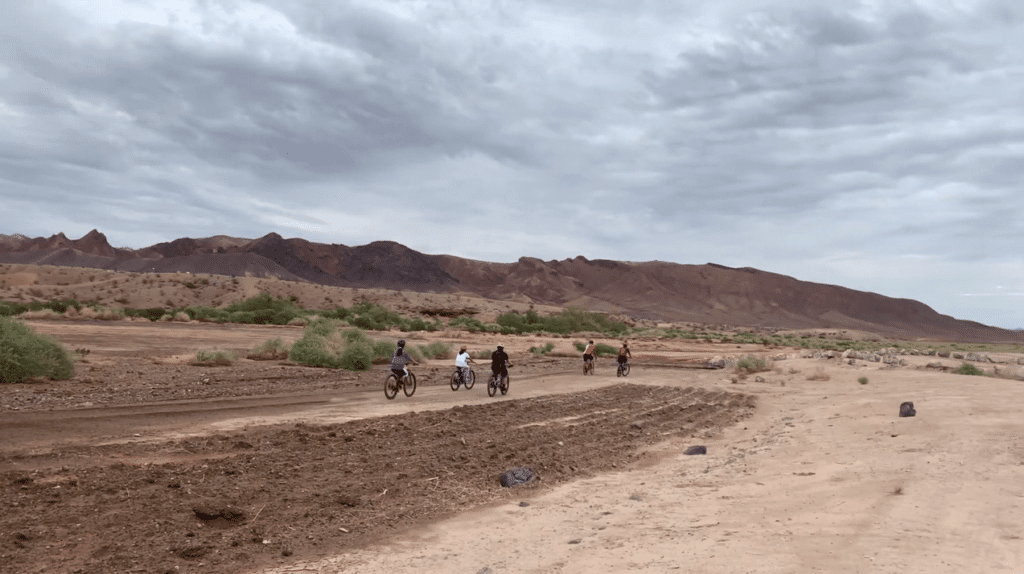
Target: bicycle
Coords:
[[623, 370], [393, 383], [494, 384], [469, 379], [588, 367]]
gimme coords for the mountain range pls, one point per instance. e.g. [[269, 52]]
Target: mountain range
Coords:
[[708, 293]]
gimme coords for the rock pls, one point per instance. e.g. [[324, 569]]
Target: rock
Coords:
[[943, 354], [935, 366], [696, 449], [851, 362], [516, 476], [874, 358], [524, 504], [849, 353], [907, 409], [957, 355]]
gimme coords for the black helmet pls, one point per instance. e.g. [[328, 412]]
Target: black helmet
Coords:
[[401, 342], [500, 348]]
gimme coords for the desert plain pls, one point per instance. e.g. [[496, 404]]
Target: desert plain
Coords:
[[144, 462]]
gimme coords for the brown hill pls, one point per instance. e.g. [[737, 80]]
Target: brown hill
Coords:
[[655, 290]]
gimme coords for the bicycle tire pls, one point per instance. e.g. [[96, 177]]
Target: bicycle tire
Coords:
[[410, 385], [504, 385], [391, 386], [625, 369], [470, 380], [492, 386], [455, 381]]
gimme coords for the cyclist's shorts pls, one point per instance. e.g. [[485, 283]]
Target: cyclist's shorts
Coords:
[[622, 359], [399, 372], [588, 357]]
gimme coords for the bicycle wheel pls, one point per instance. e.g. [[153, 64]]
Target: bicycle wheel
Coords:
[[625, 369], [410, 385], [492, 386], [470, 380], [391, 386], [618, 371], [455, 381], [504, 385]]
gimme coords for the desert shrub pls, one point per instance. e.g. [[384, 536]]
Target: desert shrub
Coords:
[[270, 350], [371, 316], [42, 314], [863, 380], [181, 317], [218, 357], [753, 364], [580, 346], [818, 375], [483, 355], [602, 350], [102, 313], [969, 369], [25, 354], [8, 309], [207, 314], [298, 322], [357, 356], [542, 350], [437, 350], [166, 317], [314, 351], [355, 336], [151, 313], [324, 344], [468, 323], [382, 351]]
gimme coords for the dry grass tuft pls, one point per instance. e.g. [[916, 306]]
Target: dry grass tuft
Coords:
[[818, 375]]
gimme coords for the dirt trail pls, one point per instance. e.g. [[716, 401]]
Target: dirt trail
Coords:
[[824, 478]]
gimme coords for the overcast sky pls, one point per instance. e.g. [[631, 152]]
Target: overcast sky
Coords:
[[877, 145]]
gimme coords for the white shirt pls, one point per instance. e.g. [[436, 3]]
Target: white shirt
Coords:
[[460, 361]]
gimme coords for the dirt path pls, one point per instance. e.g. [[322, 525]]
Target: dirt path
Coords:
[[824, 478]]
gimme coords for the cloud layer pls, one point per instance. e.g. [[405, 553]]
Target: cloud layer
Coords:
[[867, 144]]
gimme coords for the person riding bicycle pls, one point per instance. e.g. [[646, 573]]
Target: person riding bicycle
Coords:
[[588, 353], [399, 359], [498, 362], [462, 362], [624, 354]]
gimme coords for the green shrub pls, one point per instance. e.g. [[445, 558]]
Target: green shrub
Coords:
[[602, 350], [354, 336], [313, 351], [357, 356], [863, 380], [580, 346], [468, 323], [215, 357], [482, 355], [969, 369], [25, 354], [151, 313], [437, 350], [542, 350], [270, 350], [382, 351], [752, 364]]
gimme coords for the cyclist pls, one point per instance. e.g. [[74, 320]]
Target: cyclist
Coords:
[[499, 362], [588, 353], [624, 354], [462, 362], [399, 359]]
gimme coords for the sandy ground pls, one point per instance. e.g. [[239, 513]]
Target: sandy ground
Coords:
[[824, 478]]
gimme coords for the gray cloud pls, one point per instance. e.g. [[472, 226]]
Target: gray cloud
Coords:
[[872, 146]]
